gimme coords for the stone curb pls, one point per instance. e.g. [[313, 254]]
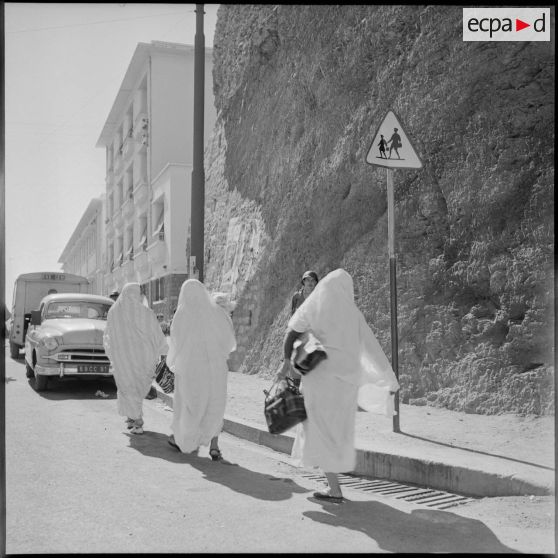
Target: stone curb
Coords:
[[399, 468]]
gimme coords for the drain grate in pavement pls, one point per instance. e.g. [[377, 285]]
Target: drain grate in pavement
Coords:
[[438, 499]]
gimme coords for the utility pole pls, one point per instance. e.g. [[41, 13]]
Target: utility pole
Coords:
[[198, 173]]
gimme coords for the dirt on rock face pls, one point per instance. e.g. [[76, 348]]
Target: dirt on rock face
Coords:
[[299, 92]]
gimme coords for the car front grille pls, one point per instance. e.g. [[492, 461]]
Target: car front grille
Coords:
[[83, 356]]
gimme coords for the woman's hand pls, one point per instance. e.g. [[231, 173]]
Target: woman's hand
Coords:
[[282, 374]]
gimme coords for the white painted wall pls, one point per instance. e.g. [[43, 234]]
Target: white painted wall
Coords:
[[172, 108]]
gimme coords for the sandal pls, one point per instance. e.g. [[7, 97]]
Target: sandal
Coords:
[[216, 454], [328, 497]]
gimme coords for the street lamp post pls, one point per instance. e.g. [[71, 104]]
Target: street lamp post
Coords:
[[198, 174]]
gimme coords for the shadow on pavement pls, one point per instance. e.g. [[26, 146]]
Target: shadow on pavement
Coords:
[[477, 451], [73, 388], [420, 531], [245, 481]]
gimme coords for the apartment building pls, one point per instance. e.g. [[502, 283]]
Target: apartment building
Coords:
[[148, 138], [84, 253]]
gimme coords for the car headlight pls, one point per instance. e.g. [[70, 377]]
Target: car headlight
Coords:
[[50, 343]]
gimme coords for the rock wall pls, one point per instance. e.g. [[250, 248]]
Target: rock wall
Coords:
[[299, 92]]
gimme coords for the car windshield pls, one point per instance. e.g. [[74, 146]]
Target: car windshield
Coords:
[[77, 309]]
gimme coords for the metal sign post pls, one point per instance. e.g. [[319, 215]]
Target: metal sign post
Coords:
[[393, 290], [391, 148]]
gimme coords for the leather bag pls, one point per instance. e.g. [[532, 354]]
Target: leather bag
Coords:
[[283, 406], [307, 353], [164, 376]]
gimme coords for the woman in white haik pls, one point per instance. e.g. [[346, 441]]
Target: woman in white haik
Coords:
[[356, 372], [201, 339], [134, 343]]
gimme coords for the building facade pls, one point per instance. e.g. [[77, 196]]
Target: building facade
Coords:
[[84, 253], [148, 138]]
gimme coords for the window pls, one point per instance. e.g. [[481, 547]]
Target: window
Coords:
[[76, 309], [142, 233], [130, 249], [159, 220], [110, 257], [158, 289]]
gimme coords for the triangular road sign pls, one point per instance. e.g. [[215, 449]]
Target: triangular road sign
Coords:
[[391, 146]]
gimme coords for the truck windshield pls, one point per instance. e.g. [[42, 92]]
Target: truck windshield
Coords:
[[76, 309]]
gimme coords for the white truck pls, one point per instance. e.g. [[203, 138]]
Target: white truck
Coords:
[[29, 290]]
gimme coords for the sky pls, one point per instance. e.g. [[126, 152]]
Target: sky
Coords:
[[64, 64]]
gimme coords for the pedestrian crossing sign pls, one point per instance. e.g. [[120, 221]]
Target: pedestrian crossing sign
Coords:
[[391, 146]]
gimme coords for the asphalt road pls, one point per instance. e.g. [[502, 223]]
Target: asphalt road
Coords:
[[78, 482]]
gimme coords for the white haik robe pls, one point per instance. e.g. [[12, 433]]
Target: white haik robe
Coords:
[[134, 343], [356, 372], [201, 339]]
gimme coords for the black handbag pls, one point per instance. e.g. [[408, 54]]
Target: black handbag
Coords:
[[164, 376], [307, 353], [284, 406]]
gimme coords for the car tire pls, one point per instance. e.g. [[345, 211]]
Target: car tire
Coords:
[[41, 382], [29, 371], [14, 350]]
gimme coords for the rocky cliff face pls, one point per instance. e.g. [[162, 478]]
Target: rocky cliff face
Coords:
[[300, 91]]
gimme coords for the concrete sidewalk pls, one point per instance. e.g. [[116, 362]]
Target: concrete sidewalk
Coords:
[[468, 454]]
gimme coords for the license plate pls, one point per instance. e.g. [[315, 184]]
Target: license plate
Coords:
[[93, 368]]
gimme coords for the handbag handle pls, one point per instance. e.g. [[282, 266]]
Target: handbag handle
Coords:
[[290, 385]]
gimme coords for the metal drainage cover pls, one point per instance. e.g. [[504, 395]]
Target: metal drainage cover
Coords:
[[425, 496]]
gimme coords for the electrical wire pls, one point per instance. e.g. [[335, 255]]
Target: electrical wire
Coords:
[[91, 23]]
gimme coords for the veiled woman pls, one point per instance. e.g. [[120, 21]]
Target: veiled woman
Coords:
[[356, 372], [201, 339], [134, 343]]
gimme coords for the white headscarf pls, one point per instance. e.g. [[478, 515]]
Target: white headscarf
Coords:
[[354, 353], [133, 336], [199, 324]]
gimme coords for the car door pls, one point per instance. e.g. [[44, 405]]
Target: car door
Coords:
[[31, 339]]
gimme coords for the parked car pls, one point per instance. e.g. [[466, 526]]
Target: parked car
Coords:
[[65, 338], [29, 289]]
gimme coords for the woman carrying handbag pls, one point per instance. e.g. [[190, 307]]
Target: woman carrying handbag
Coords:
[[201, 339], [354, 373]]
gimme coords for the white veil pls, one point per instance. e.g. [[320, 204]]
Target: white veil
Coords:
[[353, 350]]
